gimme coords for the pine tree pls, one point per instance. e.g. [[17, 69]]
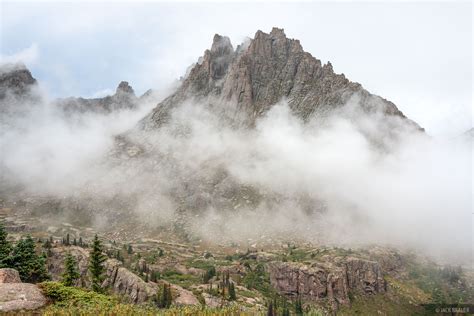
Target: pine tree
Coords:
[[270, 311], [67, 240], [209, 274], [96, 268], [232, 295], [129, 249], [5, 248], [71, 274], [80, 242], [165, 297], [298, 307], [30, 266], [74, 242]]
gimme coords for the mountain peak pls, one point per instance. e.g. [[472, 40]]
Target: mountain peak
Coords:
[[15, 78], [124, 87], [277, 32], [221, 45], [267, 69]]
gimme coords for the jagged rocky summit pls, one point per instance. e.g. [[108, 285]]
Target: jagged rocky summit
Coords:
[[18, 86], [263, 71]]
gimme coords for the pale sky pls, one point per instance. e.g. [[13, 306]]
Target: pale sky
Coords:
[[418, 55]]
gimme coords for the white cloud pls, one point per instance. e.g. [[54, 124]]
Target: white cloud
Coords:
[[102, 93], [28, 56]]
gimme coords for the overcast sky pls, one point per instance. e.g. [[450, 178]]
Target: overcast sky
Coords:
[[417, 55]]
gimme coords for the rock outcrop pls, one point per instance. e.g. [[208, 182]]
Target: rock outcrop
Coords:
[[327, 281], [9, 276], [183, 297], [17, 296], [15, 81], [119, 279], [55, 263], [125, 283]]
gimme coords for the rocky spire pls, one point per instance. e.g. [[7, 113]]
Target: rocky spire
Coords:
[[124, 87], [15, 79]]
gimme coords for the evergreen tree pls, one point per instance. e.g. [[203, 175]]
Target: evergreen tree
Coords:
[[96, 268], [74, 242], [30, 266], [5, 248], [129, 249], [298, 307], [47, 245], [80, 242], [67, 240], [232, 295], [270, 311], [165, 298], [210, 273], [71, 274]]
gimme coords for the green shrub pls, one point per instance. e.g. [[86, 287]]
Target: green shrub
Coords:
[[64, 296]]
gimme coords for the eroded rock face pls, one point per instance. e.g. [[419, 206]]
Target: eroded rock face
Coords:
[[123, 282], [327, 281], [9, 276], [365, 276]]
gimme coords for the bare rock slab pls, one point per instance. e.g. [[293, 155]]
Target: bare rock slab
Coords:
[[20, 296]]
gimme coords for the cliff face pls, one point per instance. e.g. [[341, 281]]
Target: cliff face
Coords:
[[263, 71], [327, 281]]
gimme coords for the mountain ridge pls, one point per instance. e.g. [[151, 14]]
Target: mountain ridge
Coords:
[[260, 73]]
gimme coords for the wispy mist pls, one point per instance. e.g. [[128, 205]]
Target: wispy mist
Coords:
[[346, 178]]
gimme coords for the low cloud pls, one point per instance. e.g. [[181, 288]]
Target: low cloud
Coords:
[[346, 178]]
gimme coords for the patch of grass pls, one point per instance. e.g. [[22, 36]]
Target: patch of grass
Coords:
[[200, 264], [126, 310], [246, 293], [184, 280], [380, 304]]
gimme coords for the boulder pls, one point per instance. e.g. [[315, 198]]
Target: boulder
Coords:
[[183, 296], [9, 276], [17, 296]]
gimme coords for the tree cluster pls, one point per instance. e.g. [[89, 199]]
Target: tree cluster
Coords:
[[23, 258]]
